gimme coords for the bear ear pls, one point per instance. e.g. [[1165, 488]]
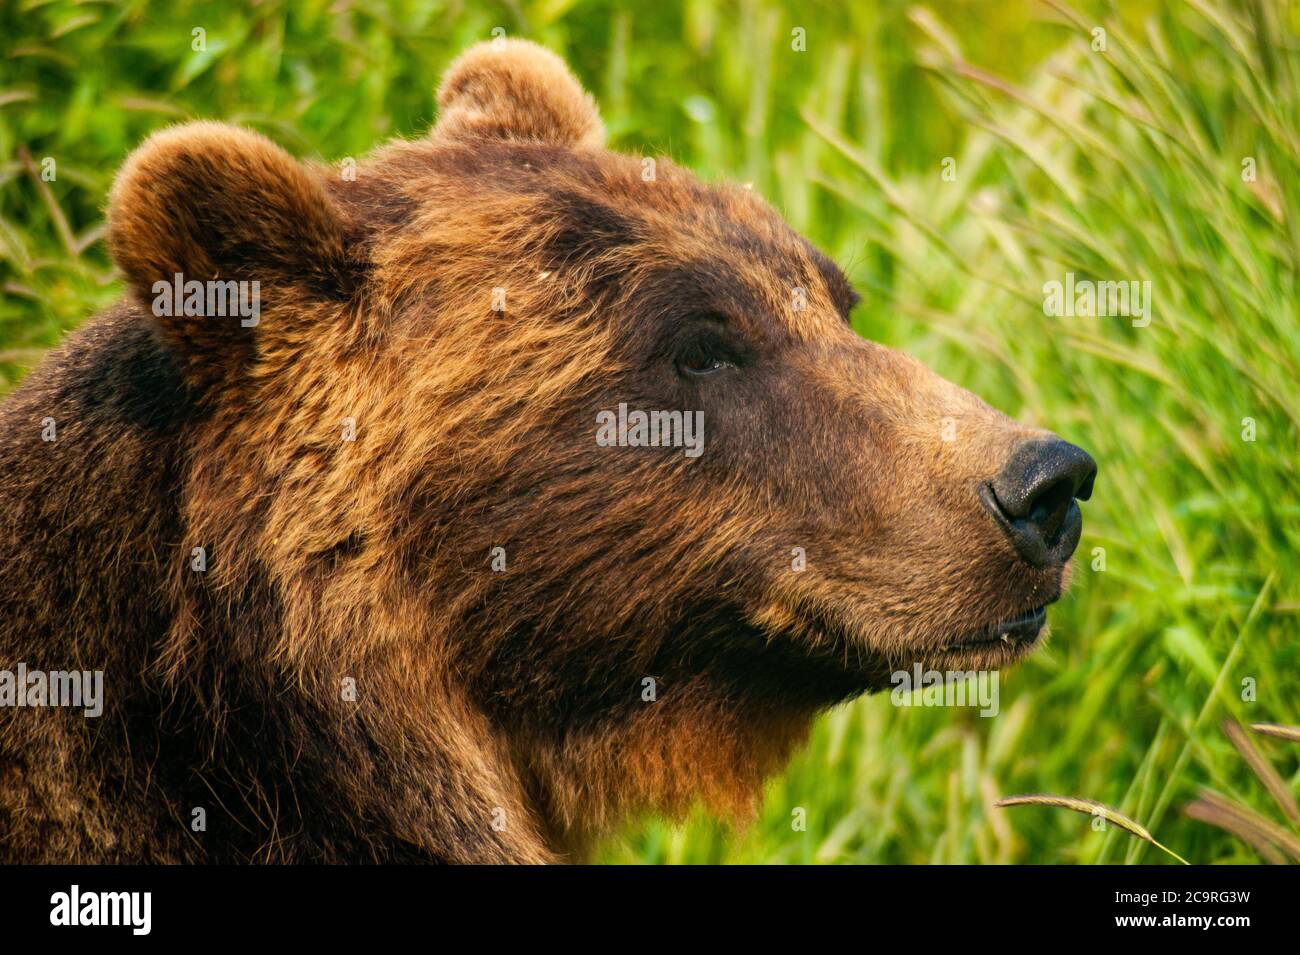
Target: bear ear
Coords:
[[515, 90], [210, 204]]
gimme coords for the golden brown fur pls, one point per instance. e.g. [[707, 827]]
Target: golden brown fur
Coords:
[[499, 715]]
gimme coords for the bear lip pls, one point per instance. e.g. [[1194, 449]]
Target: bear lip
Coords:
[[1020, 632]]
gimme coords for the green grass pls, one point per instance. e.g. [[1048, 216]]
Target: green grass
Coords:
[[1117, 165]]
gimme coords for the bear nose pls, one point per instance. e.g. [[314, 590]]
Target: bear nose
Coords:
[[1033, 499]]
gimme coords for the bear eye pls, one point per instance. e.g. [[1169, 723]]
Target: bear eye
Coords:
[[699, 361]]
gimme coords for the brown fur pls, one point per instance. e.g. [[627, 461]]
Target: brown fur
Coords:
[[479, 693]]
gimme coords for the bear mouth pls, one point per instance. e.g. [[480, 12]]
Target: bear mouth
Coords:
[[1018, 634], [996, 644]]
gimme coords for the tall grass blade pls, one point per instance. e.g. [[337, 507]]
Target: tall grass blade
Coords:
[[1090, 807]]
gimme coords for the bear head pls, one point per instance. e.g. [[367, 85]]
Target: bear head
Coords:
[[570, 444]]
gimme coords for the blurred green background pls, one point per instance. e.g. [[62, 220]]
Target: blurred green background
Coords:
[[1170, 156]]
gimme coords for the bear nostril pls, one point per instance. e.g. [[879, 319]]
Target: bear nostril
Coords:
[[1049, 508], [1033, 498]]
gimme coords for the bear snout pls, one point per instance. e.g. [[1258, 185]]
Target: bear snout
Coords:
[[1033, 498]]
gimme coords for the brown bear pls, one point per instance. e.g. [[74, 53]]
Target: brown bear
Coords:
[[459, 506]]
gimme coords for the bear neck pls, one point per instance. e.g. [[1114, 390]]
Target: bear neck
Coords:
[[607, 734]]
